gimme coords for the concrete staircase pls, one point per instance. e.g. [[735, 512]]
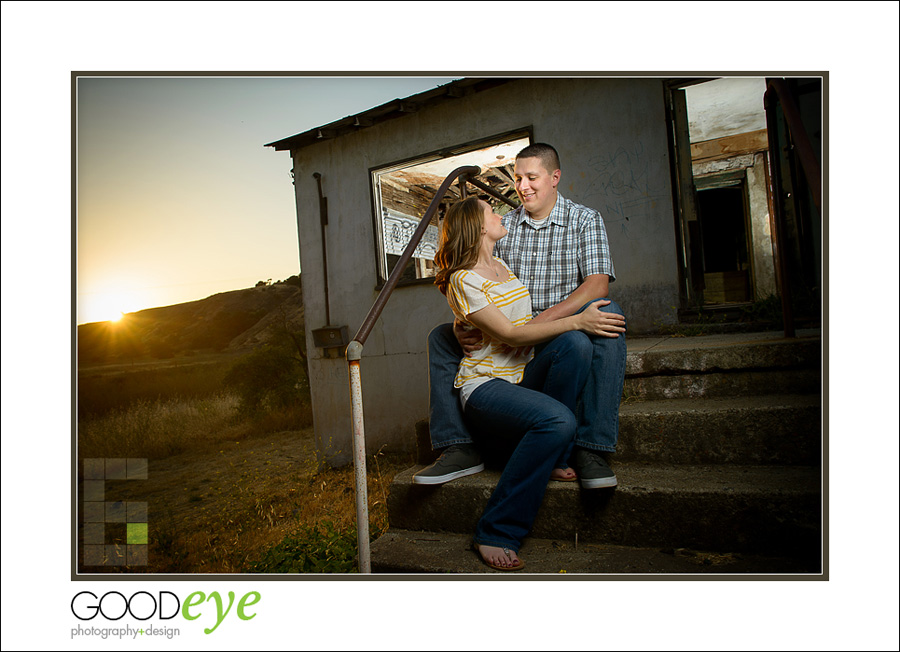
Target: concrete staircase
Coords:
[[719, 468]]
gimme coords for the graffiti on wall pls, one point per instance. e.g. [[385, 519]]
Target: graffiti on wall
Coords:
[[623, 188]]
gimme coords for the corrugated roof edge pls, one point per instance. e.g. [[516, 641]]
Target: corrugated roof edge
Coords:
[[388, 111]]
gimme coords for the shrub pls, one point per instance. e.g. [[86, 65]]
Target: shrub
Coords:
[[311, 549], [268, 379]]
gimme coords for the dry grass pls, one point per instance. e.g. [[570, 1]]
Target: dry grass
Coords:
[[221, 490], [219, 512], [158, 429], [222, 487]]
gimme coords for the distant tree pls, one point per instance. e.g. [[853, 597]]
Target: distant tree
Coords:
[[266, 380], [293, 333], [275, 375], [293, 280]]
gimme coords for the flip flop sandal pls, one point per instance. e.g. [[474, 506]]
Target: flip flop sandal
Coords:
[[517, 567], [572, 479]]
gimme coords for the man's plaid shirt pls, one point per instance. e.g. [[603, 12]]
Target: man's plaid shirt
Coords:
[[552, 257]]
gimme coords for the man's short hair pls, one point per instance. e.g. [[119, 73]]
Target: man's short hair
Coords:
[[548, 155]]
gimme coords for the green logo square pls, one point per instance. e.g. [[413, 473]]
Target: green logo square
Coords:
[[136, 534]]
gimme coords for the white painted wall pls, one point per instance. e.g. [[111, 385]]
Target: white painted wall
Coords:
[[611, 136], [725, 107]]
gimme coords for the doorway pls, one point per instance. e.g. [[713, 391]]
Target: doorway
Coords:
[[719, 147], [723, 228]]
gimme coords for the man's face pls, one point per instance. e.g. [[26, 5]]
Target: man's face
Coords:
[[536, 186]]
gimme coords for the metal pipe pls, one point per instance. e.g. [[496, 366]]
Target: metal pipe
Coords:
[[323, 221], [359, 466]]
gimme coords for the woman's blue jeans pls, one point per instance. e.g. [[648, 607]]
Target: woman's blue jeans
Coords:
[[538, 413], [597, 412]]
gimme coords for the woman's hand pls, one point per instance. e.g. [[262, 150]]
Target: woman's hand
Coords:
[[596, 322]]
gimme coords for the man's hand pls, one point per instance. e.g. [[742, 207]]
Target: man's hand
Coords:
[[469, 338], [606, 324]]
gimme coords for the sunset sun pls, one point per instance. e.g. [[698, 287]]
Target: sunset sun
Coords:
[[109, 306]]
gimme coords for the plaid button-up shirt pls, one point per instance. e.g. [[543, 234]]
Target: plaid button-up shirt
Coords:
[[553, 256]]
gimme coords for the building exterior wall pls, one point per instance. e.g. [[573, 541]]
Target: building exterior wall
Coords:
[[612, 138]]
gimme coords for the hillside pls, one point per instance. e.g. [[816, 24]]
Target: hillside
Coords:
[[228, 321]]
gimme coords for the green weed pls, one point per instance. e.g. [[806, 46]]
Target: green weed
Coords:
[[312, 549]]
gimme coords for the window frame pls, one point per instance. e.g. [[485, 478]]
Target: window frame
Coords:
[[381, 265]]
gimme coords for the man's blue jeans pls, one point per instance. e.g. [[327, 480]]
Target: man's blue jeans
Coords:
[[537, 417], [597, 412]]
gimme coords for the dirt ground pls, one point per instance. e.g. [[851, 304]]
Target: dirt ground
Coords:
[[216, 510]]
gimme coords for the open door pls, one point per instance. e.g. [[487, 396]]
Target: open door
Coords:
[[720, 173], [687, 225]]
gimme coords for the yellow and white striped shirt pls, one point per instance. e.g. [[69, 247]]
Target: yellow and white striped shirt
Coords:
[[469, 292]]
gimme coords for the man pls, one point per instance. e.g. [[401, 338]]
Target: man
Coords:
[[559, 250]]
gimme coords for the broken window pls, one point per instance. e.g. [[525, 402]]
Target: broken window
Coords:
[[403, 192]]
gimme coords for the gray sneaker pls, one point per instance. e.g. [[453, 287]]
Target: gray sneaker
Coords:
[[456, 461], [593, 470]]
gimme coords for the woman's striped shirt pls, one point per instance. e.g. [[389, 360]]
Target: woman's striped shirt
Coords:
[[469, 292]]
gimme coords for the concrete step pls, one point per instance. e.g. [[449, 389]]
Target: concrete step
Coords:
[[768, 429], [649, 356], [723, 384], [766, 510], [412, 552], [712, 367], [722, 365]]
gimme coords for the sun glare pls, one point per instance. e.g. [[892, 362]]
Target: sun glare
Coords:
[[113, 298], [107, 306]]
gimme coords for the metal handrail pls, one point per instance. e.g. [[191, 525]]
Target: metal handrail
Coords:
[[354, 354], [778, 91], [375, 312]]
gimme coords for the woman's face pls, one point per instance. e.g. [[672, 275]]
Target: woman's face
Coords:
[[493, 226]]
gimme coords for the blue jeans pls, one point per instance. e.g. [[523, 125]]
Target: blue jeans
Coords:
[[537, 417], [597, 411]]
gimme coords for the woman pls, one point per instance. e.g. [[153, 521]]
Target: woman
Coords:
[[506, 393]]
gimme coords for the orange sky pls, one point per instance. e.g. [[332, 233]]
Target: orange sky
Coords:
[[177, 196]]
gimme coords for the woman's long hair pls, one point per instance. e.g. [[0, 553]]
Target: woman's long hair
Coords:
[[460, 240]]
